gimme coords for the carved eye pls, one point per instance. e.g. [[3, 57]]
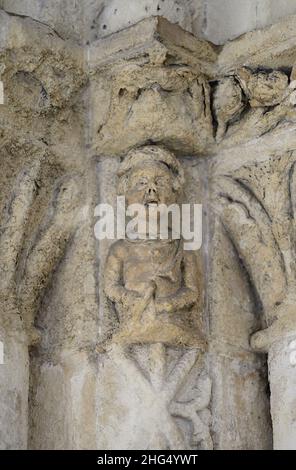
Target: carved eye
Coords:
[[162, 181], [141, 183]]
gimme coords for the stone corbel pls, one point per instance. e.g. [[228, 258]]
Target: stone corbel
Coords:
[[255, 88], [150, 85], [43, 73]]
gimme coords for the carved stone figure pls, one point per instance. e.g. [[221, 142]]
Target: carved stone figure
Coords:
[[153, 283]]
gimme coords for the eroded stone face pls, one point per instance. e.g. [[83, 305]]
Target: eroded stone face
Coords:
[[157, 91], [150, 184], [249, 104], [161, 105]]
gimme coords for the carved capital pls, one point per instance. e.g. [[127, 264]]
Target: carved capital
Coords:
[[152, 79]]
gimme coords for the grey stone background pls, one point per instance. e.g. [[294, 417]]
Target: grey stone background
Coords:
[[215, 20]]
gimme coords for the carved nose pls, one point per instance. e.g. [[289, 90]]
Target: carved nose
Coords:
[[152, 190]]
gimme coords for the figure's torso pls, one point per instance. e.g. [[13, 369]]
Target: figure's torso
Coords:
[[158, 261]]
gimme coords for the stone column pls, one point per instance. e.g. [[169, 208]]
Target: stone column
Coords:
[[282, 377], [279, 341]]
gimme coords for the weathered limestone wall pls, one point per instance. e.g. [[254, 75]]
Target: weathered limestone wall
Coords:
[[71, 113]]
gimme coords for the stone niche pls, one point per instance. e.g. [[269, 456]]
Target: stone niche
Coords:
[[175, 353]]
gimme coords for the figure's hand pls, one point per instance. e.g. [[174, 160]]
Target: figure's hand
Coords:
[[133, 303], [184, 299], [130, 299], [164, 306]]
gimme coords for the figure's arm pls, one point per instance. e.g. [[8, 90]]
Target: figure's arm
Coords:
[[125, 300], [188, 294], [113, 285]]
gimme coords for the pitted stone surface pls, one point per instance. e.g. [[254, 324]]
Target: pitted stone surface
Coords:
[[71, 115]]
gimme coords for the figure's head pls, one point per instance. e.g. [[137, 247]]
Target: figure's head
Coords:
[[150, 175]]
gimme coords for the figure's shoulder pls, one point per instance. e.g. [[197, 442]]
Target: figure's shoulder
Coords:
[[118, 249]]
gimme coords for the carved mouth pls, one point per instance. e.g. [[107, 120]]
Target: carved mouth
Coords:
[[151, 202]]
